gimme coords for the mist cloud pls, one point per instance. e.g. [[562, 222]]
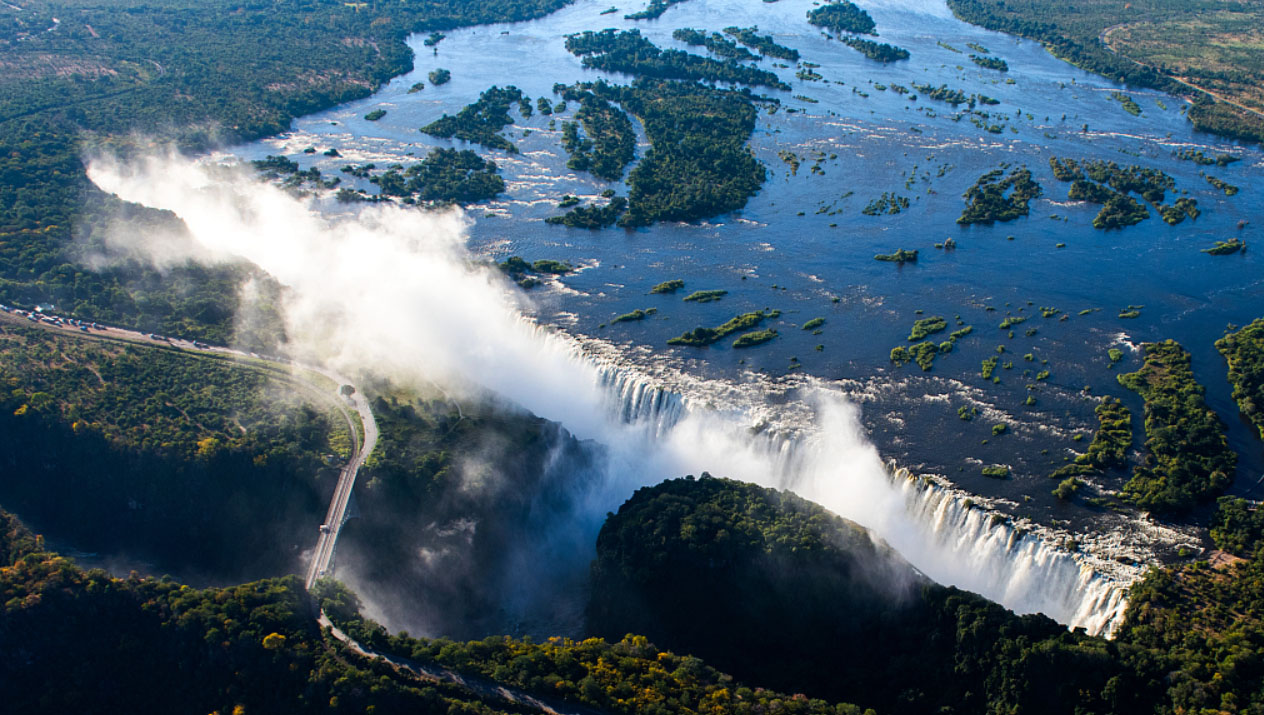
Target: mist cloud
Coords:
[[392, 291]]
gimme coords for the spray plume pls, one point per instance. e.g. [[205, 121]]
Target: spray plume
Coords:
[[393, 291]]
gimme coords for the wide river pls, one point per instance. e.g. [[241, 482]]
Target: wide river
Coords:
[[803, 246]]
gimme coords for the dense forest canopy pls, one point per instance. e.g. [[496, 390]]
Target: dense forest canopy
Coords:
[[84, 641], [1188, 459], [767, 585], [1244, 352], [197, 464]]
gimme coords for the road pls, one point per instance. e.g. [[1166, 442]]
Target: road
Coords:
[[349, 407], [475, 684], [363, 435], [1104, 38], [346, 482]]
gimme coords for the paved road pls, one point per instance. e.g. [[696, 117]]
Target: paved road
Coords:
[[350, 408], [346, 482]]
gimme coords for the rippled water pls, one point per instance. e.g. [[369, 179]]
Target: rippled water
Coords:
[[769, 256]]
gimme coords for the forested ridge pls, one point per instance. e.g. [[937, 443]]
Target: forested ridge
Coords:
[[192, 463], [760, 581], [93, 643], [84, 641]]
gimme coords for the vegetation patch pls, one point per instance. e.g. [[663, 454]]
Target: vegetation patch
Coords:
[[1110, 184], [634, 316], [1198, 157], [610, 142], [989, 366], [887, 203], [900, 256], [702, 337], [1225, 248], [842, 16], [592, 217], [1188, 459], [1129, 105], [698, 164], [999, 197], [715, 43], [878, 51], [1226, 187], [628, 52], [944, 93], [525, 274], [992, 63], [705, 296], [557, 268], [923, 354], [1067, 488], [927, 326], [757, 337], [652, 11], [482, 121], [670, 286], [1244, 351], [1238, 527], [1110, 444], [1181, 209], [763, 44], [444, 176]]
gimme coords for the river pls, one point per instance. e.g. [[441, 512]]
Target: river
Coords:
[[803, 246]]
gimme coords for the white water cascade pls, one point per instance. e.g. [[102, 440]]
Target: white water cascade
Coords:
[[394, 292], [950, 536], [1021, 565]]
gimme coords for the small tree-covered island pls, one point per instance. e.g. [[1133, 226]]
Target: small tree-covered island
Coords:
[[367, 357]]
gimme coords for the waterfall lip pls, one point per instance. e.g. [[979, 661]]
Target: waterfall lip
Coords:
[[1101, 580], [1092, 580]]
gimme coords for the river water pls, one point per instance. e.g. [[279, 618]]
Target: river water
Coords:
[[868, 141]]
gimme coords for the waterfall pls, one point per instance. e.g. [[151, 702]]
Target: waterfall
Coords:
[[393, 291], [774, 435], [1020, 565], [638, 401]]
